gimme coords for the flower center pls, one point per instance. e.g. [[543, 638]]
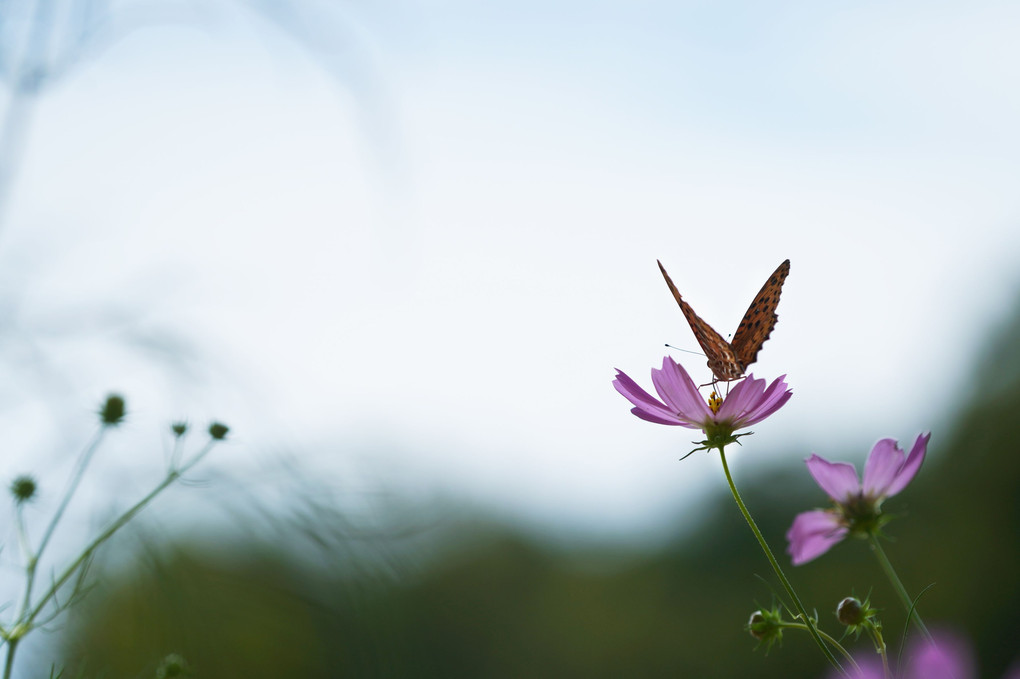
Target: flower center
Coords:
[[861, 514], [714, 402]]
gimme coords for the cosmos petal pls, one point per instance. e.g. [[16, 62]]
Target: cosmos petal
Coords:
[[657, 419], [837, 479], [908, 470], [812, 534], [774, 398], [682, 403], [880, 470], [644, 403], [741, 399], [678, 390], [945, 657]]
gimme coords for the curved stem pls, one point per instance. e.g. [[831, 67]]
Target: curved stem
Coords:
[[779, 571], [116, 525], [880, 647], [901, 591], [27, 617], [72, 486], [829, 639], [32, 558]]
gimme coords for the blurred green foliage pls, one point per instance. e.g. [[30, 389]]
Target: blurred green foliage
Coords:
[[498, 604]]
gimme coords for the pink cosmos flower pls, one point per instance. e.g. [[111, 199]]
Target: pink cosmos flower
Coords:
[[948, 656], [857, 505], [683, 405]]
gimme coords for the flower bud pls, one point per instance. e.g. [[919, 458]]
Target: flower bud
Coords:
[[218, 431], [850, 611], [23, 489], [766, 626], [755, 626], [112, 412]]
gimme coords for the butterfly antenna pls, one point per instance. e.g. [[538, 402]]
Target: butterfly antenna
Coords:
[[686, 351]]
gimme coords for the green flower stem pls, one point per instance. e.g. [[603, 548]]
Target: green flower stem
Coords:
[[883, 560], [13, 635], [12, 645], [72, 486], [26, 619], [32, 559], [19, 524], [171, 476], [880, 648], [831, 641], [779, 571]]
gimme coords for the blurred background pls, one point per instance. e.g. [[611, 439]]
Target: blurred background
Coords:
[[400, 247]]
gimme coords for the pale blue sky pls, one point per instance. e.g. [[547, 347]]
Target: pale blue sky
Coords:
[[416, 260]]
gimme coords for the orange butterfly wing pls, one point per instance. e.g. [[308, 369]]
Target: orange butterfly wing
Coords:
[[721, 357], [729, 360], [760, 318]]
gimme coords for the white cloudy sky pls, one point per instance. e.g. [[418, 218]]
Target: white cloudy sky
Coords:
[[414, 259]]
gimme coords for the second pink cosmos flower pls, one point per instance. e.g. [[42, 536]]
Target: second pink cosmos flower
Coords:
[[858, 504]]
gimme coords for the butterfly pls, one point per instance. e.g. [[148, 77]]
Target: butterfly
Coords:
[[729, 360]]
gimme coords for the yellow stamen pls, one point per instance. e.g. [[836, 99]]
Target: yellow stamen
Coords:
[[714, 402]]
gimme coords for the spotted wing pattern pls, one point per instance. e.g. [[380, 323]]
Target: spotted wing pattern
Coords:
[[760, 318], [729, 360]]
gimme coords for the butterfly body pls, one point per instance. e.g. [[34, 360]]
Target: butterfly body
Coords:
[[728, 361]]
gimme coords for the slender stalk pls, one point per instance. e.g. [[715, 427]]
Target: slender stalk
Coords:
[[32, 560], [882, 650], [22, 625], [119, 523], [901, 591], [72, 486], [12, 645], [829, 639], [27, 617], [874, 631], [779, 571], [19, 524]]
